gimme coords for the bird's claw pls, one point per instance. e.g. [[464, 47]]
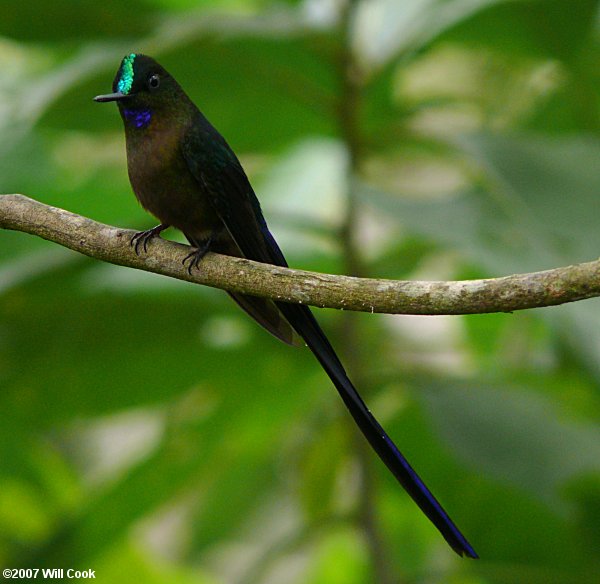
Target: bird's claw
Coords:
[[143, 237], [195, 257]]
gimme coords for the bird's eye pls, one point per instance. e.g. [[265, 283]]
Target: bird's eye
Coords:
[[154, 82]]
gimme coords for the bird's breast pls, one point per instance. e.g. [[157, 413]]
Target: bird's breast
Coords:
[[164, 185]]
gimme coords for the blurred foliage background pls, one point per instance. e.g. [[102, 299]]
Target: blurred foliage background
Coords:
[[152, 432]]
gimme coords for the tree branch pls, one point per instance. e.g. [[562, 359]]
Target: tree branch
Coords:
[[111, 244]]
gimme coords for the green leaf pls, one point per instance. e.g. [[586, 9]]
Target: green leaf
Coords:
[[514, 436]]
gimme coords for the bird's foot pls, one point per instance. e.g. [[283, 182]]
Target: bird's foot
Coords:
[[193, 258], [143, 237]]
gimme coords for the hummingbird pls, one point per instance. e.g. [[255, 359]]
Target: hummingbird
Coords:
[[184, 173]]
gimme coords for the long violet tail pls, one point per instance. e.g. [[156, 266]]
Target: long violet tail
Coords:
[[303, 321]]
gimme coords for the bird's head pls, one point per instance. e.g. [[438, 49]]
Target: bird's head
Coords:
[[142, 89]]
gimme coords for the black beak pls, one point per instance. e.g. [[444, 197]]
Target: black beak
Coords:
[[118, 96]]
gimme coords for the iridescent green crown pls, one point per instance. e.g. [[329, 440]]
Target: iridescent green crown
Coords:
[[126, 77]]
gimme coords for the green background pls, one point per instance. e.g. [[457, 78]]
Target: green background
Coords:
[[150, 431]]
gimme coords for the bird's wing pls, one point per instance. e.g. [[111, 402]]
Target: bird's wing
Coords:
[[236, 204], [217, 169]]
